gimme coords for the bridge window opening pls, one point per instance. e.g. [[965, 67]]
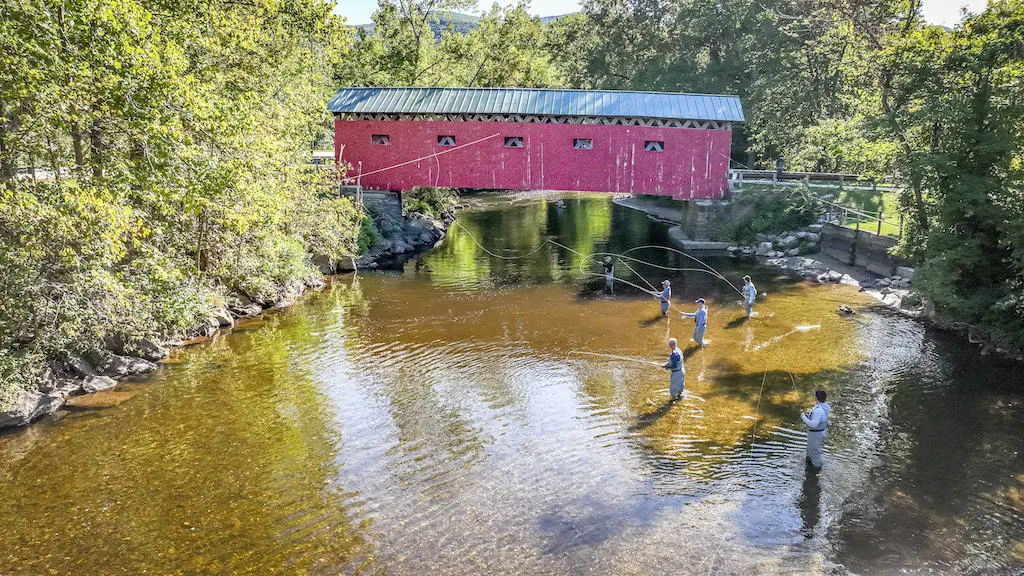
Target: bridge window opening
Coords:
[[582, 144], [446, 140], [654, 146], [380, 139], [513, 141]]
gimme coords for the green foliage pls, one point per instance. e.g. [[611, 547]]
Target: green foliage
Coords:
[[430, 201], [369, 236], [171, 148], [769, 211], [964, 128], [506, 47]]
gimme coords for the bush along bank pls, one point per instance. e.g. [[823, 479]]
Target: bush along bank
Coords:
[[88, 365], [70, 373]]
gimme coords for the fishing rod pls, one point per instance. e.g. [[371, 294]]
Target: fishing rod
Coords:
[[613, 356]]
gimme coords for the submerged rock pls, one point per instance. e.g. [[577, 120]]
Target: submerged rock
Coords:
[[105, 399]]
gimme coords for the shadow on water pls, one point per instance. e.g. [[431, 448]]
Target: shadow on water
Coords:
[[736, 322], [652, 321], [810, 500], [650, 418]]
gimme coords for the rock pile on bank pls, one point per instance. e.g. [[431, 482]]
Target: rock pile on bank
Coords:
[[403, 236], [77, 375], [795, 243]]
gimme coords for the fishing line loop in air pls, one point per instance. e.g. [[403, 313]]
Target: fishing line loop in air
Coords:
[[594, 258]]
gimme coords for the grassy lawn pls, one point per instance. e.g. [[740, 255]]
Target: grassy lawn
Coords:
[[871, 202]]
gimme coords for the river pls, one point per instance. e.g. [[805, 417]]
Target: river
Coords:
[[441, 418]]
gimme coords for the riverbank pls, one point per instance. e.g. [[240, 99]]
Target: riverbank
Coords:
[[77, 375]]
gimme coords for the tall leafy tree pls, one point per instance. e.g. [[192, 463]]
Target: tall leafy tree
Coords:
[[155, 161]]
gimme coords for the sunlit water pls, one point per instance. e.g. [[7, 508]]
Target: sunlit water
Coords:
[[439, 419]]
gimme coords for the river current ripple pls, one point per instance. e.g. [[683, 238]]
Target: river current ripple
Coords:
[[437, 418]]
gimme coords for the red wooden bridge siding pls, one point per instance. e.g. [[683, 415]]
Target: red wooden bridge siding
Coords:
[[693, 165]]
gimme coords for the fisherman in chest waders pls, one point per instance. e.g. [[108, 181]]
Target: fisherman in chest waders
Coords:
[[609, 274], [677, 377], [816, 420], [700, 321], [665, 295], [749, 293]]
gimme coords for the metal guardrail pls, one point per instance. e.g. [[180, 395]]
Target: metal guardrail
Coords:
[[777, 176], [842, 180], [840, 214], [835, 213]]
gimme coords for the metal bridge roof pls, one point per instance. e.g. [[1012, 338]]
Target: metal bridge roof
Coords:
[[537, 101]]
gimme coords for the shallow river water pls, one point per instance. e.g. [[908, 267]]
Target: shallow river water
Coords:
[[439, 418]]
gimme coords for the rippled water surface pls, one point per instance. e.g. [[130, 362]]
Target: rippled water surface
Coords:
[[440, 418]]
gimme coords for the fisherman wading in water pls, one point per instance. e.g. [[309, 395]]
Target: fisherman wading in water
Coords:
[[609, 274], [700, 320], [665, 295], [677, 379], [749, 293], [816, 420]]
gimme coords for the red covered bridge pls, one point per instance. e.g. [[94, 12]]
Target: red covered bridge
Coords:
[[536, 139]]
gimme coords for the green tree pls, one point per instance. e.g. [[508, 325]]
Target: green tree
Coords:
[[966, 139], [169, 146]]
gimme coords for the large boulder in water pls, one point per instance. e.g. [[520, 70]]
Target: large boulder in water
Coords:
[[120, 366], [33, 404], [324, 263], [29, 406], [345, 264], [97, 383]]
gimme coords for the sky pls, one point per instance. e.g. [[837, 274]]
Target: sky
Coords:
[[945, 12]]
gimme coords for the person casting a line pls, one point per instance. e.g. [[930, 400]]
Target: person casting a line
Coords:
[[664, 296], [816, 420], [677, 379], [749, 293], [609, 274], [700, 320]]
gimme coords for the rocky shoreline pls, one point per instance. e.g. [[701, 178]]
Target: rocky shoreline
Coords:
[[100, 370], [409, 235]]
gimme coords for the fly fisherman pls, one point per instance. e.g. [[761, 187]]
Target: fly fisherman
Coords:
[[816, 420], [664, 296], [749, 293], [609, 274], [677, 379], [700, 321]]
